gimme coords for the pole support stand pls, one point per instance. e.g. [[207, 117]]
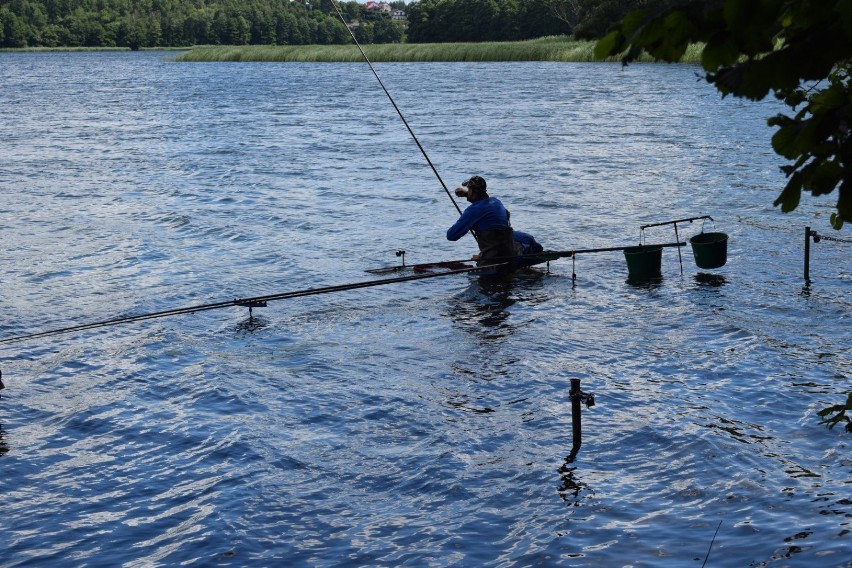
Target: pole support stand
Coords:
[[250, 304]]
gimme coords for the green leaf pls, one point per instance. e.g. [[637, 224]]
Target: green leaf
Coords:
[[778, 120], [738, 13], [784, 141], [610, 45], [824, 177], [748, 79], [833, 97], [680, 31], [795, 97], [719, 51], [830, 410], [792, 193], [634, 22], [844, 8]]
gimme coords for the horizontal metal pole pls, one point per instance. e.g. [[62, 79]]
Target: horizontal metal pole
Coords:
[[257, 301], [687, 220], [610, 249]]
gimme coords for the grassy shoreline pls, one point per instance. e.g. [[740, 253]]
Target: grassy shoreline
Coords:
[[561, 49]]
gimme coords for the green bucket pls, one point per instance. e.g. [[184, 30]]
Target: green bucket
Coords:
[[644, 261], [710, 249]]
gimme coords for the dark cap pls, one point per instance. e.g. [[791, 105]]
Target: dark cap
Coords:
[[475, 183]]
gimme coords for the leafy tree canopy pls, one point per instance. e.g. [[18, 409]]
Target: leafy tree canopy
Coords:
[[799, 50], [435, 21], [176, 23]]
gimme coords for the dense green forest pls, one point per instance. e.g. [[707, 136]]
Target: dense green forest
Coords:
[[177, 23], [437, 21], [139, 24]]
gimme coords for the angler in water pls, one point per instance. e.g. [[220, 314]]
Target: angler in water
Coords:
[[489, 220]]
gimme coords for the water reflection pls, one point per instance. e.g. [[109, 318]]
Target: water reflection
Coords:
[[646, 283], [4, 447], [486, 304], [571, 487], [250, 325], [710, 280]]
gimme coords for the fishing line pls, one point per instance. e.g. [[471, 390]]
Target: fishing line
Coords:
[[711, 544], [261, 301], [399, 112]]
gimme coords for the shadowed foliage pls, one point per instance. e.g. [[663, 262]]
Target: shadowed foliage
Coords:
[[799, 50]]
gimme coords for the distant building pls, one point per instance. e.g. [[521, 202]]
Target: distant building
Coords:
[[380, 7]]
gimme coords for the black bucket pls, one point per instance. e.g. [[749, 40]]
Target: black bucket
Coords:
[[644, 262], [710, 249]]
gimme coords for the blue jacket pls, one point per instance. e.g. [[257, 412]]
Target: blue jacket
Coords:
[[527, 242], [483, 215]]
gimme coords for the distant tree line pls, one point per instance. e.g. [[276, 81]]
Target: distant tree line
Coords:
[[178, 23], [510, 20]]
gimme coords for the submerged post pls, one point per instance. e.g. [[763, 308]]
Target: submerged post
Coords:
[[575, 395], [807, 256]]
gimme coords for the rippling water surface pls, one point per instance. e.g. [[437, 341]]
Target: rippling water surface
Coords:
[[423, 423]]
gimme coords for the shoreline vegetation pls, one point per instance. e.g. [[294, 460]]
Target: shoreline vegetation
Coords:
[[561, 49], [557, 49]]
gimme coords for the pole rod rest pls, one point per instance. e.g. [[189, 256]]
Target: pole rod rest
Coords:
[[610, 249], [687, 220]]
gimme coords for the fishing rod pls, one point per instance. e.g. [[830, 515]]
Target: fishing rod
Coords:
[[255, 302], [399, 112], [531, 258]]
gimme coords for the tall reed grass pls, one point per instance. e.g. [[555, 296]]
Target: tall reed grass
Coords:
[[541, 49]]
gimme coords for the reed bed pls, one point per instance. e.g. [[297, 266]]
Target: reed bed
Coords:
[[541, 49]]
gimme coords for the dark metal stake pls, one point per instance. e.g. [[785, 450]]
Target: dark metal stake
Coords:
[[576, 420], [573, 271], [677, 238], [807, 256], [577, 396]]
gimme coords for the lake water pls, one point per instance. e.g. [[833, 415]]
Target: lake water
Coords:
[[421, 423]]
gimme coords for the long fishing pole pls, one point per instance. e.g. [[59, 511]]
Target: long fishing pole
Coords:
[[532, 258], [257, 301], [399, 112]]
